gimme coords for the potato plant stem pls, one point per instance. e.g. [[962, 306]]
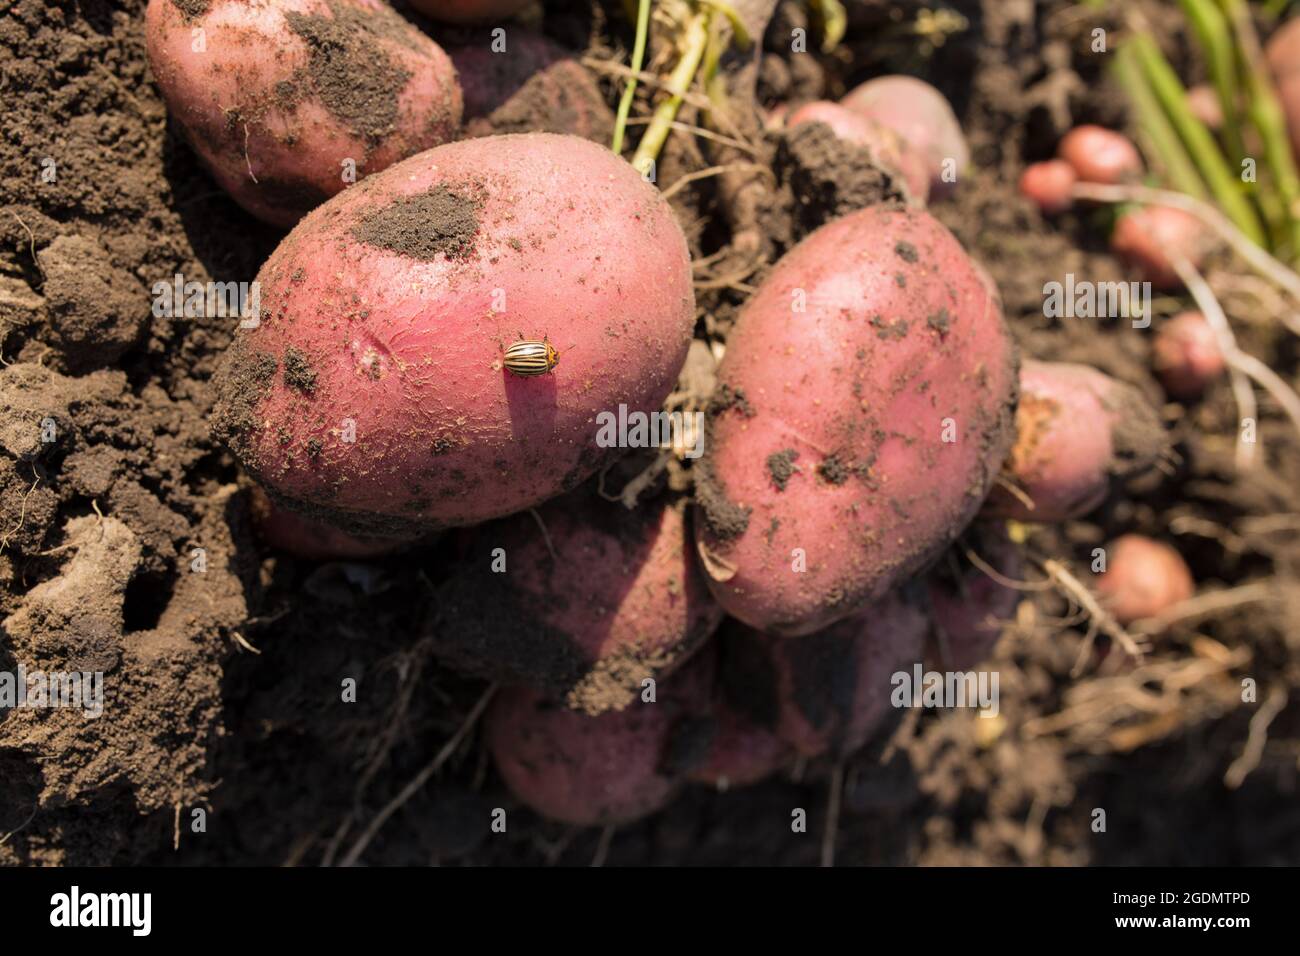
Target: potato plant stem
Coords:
[[695, 39], [1211, 28], [1157, 134], [1266, 114], [629, 91], [1224, 186]]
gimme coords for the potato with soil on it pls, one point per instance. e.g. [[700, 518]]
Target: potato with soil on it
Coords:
[[284, 530], [864, 406], [1143, 578], [1151, 238], [289, 101], [827, 692], [923, 117], [1100, 155], [533, 86], [621, 600], [886, 148], [1049, 185], [1079, 432], [596, 771], [373, 394], [1186, 356]]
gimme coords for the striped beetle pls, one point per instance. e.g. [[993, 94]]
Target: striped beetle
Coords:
[[527, 358]]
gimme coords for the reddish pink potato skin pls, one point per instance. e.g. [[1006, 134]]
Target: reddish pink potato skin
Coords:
[[533, 85], [827, 431], [391, 306], [920, 114], [1186, 356], [624, 600], [1078, 430], [1204, 103], [968, 614], [827, 692], [301, 537], [595, 771], [1150, 238], [1048, 185], [888, 149], [1143, 577], [469, 11], [1283, 54], [1100, 155], [263, 104], [741, 752]]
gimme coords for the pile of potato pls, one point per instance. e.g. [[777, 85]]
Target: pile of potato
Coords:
[[437, 341]]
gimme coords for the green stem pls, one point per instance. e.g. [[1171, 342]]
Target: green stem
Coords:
[[696, 38], [1224, 186], [1159, 138], [1215, 38], [1266, 115], [638, 58]]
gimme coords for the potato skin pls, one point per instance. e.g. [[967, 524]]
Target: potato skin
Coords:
[[594, 771], [622, 600], [272, 107], [921, 115], [1143, 578], [1100, 155], [1079, 431], [827, 430], [887, 148], [378, 310], [827, 692], [967, 604]]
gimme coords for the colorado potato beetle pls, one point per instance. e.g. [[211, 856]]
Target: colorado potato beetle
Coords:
[[531, 358]]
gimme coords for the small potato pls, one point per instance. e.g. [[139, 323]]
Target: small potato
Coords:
[[1204, 103], [1143, 578], [1150, 238], [864, 406], [621, 601], [1186, 355], [596, 771], [534, 85], [922, 116], [1048, 185], [289, 101], [740, 752], [826, 692], [374, 392], [1078, 432], [1100, 155], [887, 149], [469, 11]]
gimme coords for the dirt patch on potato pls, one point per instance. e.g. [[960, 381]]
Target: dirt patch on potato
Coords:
[[438, 222]]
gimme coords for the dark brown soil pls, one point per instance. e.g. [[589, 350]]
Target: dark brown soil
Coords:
[[125, 543]]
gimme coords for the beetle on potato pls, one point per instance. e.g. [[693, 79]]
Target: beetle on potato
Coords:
[[373, 391]]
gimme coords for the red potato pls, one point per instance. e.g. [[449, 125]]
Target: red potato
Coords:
[[921, 115], [1283, 55], [623, 600], [1143, 577], [740, 752], [469, 11], [1186, 355], [1078, 432], [888, 150], [270, 102], [1150, 238], [968, 608], [596, 771], [373, 393], [533, 85], [1100, 155], [864, 405], [294, 534], [1048, 185], [826, 692]]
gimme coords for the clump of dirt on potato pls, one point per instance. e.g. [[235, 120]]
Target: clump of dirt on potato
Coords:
[[437, 222]]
